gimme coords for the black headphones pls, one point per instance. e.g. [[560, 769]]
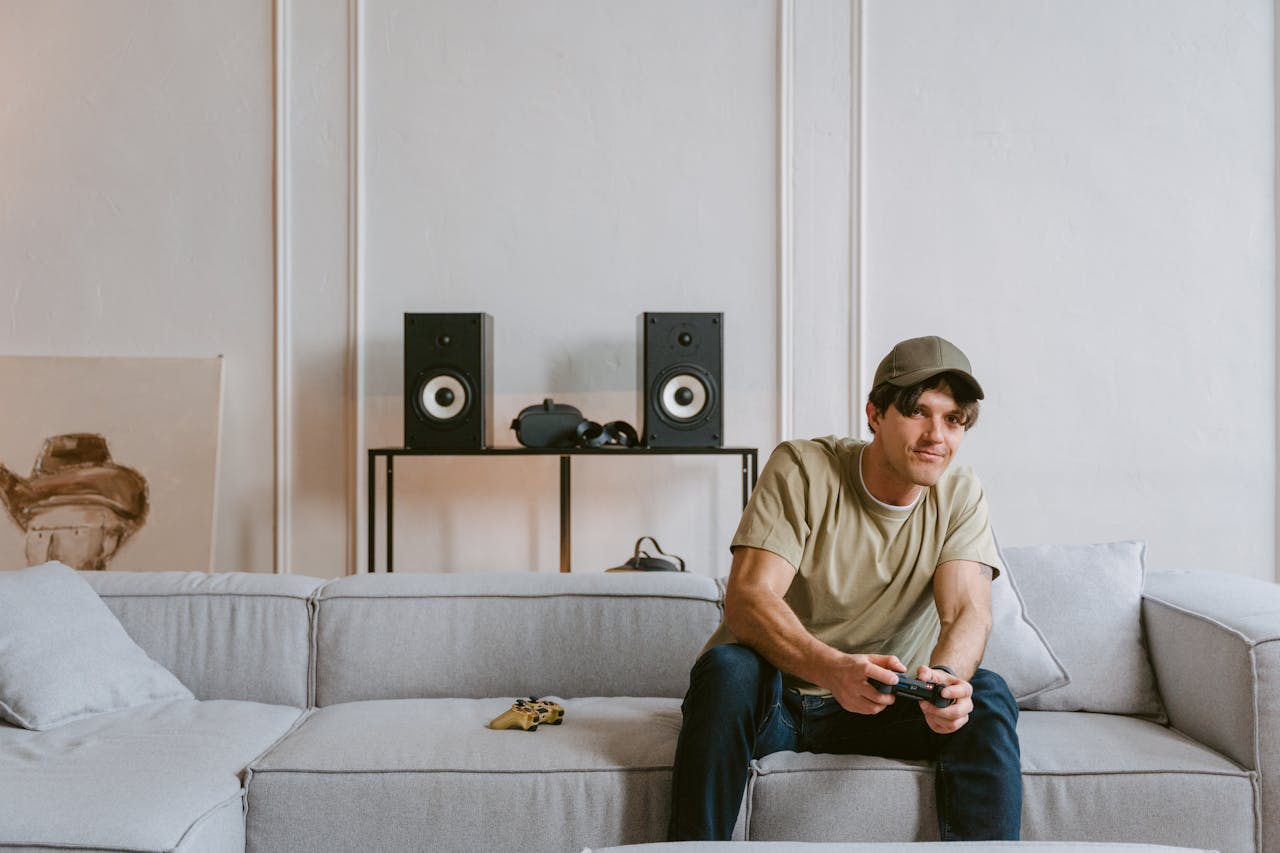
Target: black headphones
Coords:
[[621, 433]]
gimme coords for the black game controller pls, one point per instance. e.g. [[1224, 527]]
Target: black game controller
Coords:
[[913, 688]]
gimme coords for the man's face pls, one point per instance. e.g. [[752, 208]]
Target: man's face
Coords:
[[919, 445]]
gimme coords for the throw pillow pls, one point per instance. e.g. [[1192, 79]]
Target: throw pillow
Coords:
[[1087, 599], [64, 656], [1017, 650]]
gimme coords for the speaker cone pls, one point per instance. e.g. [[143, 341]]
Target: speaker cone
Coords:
[[443, 397], [684, 397]]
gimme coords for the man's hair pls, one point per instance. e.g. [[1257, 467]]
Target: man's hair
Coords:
[[905, 399]]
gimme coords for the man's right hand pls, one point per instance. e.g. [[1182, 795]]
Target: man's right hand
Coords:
[[850, 685]]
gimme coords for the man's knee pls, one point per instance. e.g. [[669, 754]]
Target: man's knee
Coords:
[[994, 708], [992, 692], [730, 673]]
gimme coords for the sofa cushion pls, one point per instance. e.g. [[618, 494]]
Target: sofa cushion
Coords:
[[872, 847], [149, 778], [226, 635], [1086, 777], [471, 636], [1016, 648], [1087, 599], [1077, 767], [444, 781], [65, 657]]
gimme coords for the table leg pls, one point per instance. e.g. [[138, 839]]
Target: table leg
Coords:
[[565, 547], [390, 504], [369, 532]]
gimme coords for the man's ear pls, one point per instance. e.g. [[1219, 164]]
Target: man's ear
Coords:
[[873, 417]]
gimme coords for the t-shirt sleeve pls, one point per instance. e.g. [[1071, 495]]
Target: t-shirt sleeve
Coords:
[[969, 535], [775, 518]]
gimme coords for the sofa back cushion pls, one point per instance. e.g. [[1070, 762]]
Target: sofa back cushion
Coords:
[[1016, 648], [1087, 600], [510, 634], [65, 657], [233, 635]]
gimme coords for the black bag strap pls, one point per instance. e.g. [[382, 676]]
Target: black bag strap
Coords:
[[641, 555]]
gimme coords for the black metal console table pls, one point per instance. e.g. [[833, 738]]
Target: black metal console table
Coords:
[[746, 454]]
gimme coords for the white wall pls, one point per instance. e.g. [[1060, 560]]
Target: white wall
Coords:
[[619, 158], [1089, 211], [1060, 197], [136, 209]]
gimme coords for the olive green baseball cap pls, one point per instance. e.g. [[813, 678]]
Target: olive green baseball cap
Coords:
[[918, 359]]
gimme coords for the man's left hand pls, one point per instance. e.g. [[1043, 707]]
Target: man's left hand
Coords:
[[950, 719]]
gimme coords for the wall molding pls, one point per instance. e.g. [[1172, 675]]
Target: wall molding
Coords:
[[857, 296], [283, 414], [354, 379], [786, 219]]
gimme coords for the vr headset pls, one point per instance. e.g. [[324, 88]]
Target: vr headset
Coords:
[[552, 424]]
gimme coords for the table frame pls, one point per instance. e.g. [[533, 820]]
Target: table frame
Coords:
[[748, 456]]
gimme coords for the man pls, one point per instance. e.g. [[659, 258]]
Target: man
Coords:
[[849, 559]]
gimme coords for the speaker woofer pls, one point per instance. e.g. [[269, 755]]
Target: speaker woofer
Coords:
[[684, 397], [444, 397]]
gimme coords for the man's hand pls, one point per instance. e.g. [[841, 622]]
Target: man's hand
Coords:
[[851, 688], [950, 719]]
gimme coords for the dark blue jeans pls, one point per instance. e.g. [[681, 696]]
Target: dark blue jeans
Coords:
[[736, 710]]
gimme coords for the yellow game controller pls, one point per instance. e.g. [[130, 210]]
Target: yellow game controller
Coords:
[[528, 714]]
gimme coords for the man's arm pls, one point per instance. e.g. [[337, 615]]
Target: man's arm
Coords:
[[962, 594], [757, 615]]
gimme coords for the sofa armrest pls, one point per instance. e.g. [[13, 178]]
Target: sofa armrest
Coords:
[[1214, 641]]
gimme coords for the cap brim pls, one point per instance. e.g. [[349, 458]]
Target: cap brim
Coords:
[[929, 372]]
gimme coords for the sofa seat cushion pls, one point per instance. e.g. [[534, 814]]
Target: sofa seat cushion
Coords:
[[871, 847], [1086, 777], [157, 777], [442, 780], [1101, 777]]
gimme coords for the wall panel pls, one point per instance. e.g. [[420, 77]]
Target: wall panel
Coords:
[[136, 210], [1088, 210]]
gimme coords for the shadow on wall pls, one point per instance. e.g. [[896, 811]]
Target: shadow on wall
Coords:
[[78, 506]]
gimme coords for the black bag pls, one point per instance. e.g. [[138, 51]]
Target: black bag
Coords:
[[643, 561], [548, 424]]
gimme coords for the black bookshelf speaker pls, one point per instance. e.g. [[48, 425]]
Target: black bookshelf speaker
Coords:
[[448, 381], [681, 364]]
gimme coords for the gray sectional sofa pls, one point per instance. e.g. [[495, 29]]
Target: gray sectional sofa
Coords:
[[350, 715]]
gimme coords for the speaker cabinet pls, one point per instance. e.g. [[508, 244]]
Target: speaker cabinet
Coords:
[[681, 364], [448, 381]]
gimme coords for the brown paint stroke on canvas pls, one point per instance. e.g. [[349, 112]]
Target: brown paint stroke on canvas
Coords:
[[78, 506]]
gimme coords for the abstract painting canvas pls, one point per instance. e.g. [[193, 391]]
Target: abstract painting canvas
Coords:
[[109, 463]]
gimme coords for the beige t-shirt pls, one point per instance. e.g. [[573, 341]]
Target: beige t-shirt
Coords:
[[864, 570]]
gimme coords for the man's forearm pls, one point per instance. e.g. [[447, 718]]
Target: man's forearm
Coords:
[[764, 622], [962, 642]]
